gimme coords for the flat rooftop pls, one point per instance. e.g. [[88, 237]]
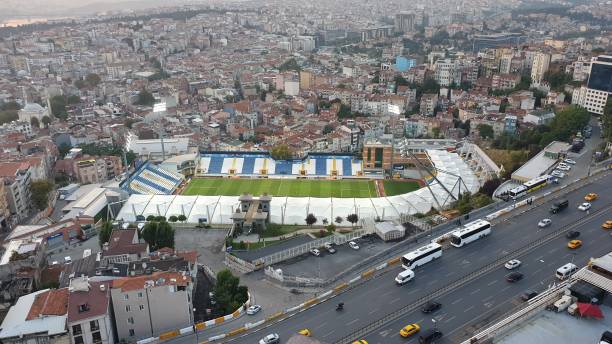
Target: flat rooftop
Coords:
[[551, 327]]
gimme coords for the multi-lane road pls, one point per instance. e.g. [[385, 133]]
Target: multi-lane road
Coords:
[[469, 306]]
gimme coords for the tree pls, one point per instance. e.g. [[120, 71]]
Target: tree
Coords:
[[58, 107], [34, 122], [173, 218], [339, 219], [80, 84], [490, 186], [158, 235], [92, 79], [40, 193], [557, 79], [331, 228], [568, 121], [229, 294], [46, 120], [345, 112], [436, 132], [73, 99], [145, 98], [328, 129], [290, 64], [311, 219], [151, 218], [606, 120], [182, 218], [105, 233], [485, 131], [281, 152], [352, 218], [7, 116]]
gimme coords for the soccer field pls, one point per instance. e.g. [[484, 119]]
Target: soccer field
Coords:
[[282, 187]]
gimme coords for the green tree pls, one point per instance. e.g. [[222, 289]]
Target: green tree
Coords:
[[7, 116], [151, 218], [281, 152], [345, 112], [182, 218], [229, 294], [436, 132], [331, 228], [606, 120], [568, 122], [557, 79], [58, 107], [105, 233], [339, 219], [311, 219], [173, 218], [73, 99], [40, 193], [145, 98], [490, 186], [290, 64], [352, 218], [46, 120], [10, 106], [92, 79], [80, 84], [485, 131], [35, 122]]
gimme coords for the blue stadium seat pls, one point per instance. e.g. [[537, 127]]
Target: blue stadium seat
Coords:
[[249, 165], [347, 166], [216, 163], [320, 166], [283, 167]]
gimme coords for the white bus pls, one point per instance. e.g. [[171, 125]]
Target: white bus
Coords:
[[529, 186], [470, 232], [421, 256]]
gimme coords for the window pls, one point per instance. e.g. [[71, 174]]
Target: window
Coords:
[[78, 340], [126, 296], [94, 325], [130, 320], [97, 337], [131, 332], [128, 308], [141, 307], [140, 294], [76, 330]]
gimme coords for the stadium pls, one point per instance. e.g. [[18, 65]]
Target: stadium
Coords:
[[326, 185]]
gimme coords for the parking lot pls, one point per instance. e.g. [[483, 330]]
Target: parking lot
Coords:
[[74, 250], [328, 265]]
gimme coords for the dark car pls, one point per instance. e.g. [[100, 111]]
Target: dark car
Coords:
[[572, 234], [430, 336], [430, 307], [514, 277], [528, 295]]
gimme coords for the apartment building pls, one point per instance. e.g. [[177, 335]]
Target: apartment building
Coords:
[[89, 318], [123, 246], [17, 181], [541, 62], [5, 212], [594, 95], [148, 305]]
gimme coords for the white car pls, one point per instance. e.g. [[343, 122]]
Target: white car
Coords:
[[315, 252], [544, 223], [67, 260], [353, 245], [584, 206], [569, 161], [513, 264], [558, 174], [272, 338], [563, 168], [253, 309]]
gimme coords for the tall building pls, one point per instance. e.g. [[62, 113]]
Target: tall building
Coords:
[[5, 212], [306, 80], [17, 181], [541, 61], [594, 95], [404, 22]]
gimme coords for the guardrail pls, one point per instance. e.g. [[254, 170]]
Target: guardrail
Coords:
[[466, 279]]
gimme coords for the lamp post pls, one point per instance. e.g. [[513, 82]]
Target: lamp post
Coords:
[[434, 322]]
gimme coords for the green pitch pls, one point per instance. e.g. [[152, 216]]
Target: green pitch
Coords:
[[399, 187], [282, 187]]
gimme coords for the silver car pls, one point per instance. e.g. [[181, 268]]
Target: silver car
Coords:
[[272, 338], [544, 223]]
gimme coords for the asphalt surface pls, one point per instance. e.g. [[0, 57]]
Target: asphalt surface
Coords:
[[479, 301]]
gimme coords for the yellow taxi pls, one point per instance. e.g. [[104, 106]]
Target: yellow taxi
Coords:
[[305, 332], [607, 225], [574, 244], [409, 330], [591, 197], [362, 341]]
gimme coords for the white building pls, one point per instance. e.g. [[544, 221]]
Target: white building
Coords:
[[32, 110], [152, 148], [541, 61], [292, 88], [89, 314]]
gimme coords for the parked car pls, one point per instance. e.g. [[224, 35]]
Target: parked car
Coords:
[[329, 247], [315, 252], [544, 223], [572, 234], [584, 206], [528, 295], [272, 338], [558, 174], [67, 260], [253, 309], [512, 264], [353, 245], [431, 306], [563, 167], [569, 161], [514, 277]]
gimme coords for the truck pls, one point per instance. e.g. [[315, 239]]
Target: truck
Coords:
[[559, 206], [563, 303]]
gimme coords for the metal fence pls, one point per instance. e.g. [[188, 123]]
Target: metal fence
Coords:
[[467, 278]]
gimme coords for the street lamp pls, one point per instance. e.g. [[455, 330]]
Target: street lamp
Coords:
[[434, 322]]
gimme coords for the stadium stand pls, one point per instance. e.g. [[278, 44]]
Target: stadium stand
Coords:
[[321, 166], [346, 167], [248, 165], [216, 164], [149, 179]]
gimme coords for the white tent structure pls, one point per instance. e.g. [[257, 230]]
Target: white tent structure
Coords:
[[452, 176]]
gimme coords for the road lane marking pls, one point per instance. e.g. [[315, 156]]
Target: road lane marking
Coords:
[[488, 298], [320, 326], [394, 301], [450, 274], [373, 311], [456, 301], [474, 291], [553, 250], [506, 288], [536, 272], [468, 309], [491, 283], [387, 293], [328, 334], [352, 322], [432, 282], [450, 319]]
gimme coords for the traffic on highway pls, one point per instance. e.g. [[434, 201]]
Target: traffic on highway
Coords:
[[464, 309]]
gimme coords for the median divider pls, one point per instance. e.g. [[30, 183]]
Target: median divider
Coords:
[[310, 302], [274, 316], [381, 266], [393, 261], [368, 273], [236, 331], [340, 287], [324, 295], [168, 335]]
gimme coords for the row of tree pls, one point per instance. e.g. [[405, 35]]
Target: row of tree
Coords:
[[311, 219]]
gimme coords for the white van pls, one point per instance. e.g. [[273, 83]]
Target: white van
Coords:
[[404, 276], [566, 270]]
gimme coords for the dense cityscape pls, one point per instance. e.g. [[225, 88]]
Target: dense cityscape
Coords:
[[305, 172]]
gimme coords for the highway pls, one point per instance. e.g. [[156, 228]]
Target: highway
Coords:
[[475, 303]]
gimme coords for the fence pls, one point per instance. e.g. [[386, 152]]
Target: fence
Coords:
[[468, 278]]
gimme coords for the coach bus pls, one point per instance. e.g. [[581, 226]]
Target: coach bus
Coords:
[[529, 186], [470, 232], [421, 256]]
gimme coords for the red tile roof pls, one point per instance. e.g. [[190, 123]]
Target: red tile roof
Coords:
[[160, 279], [51, 302], [96, 300]]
